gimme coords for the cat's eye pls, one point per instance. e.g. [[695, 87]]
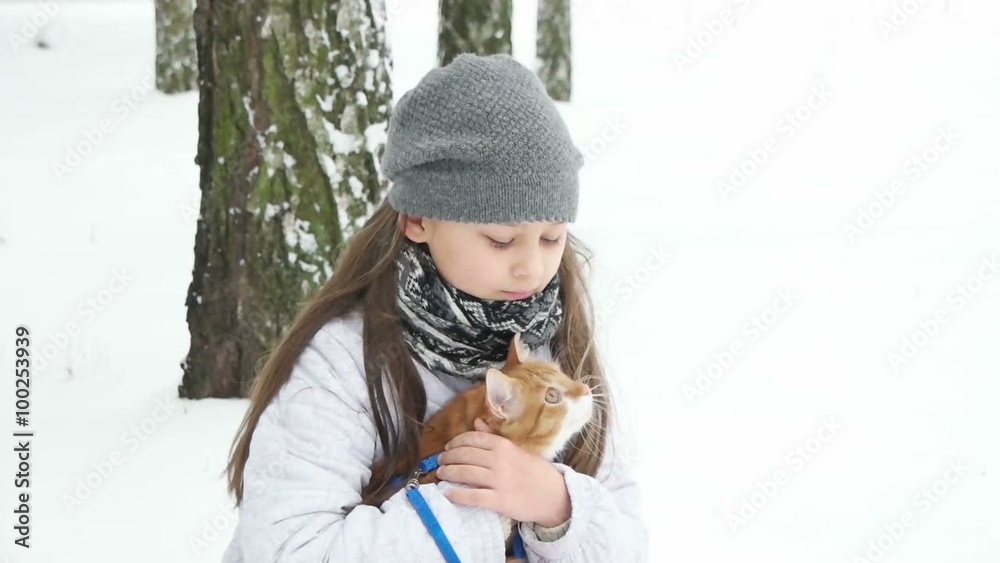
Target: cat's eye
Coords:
[[553, 396]]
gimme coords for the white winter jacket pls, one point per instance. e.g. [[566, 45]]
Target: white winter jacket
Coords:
[[312, 452]]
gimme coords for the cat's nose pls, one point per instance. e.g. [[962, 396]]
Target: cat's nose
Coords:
[[586, 389]]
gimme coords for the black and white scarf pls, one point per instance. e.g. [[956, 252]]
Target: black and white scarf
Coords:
[[450, 330]]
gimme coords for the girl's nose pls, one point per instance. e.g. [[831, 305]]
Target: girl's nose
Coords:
[[530, 265]]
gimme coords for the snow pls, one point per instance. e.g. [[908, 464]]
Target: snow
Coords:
[[343, 74], [342, 143], [375, 135], [272, 209], [791, 331], [325, 103]]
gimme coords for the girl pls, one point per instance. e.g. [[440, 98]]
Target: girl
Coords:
[[470, 246]]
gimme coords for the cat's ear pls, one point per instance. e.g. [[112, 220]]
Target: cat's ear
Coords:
[[501, 396], [518, 352]]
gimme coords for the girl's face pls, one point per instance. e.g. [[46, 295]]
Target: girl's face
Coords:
[[491, 261]]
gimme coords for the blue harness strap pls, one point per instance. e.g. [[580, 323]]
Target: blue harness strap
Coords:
[[432, 525], [426, 466], [519, 545], [431, 522], [429, 464], [424, 510]]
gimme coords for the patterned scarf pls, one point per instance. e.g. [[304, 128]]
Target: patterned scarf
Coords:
[[450, 330]]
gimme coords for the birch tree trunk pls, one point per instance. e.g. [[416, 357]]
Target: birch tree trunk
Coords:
[[552, 48], [294, 104], [176, 63], [473, 26]]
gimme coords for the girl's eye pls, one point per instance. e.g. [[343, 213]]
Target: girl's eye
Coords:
[[553, 395], [498, 244]]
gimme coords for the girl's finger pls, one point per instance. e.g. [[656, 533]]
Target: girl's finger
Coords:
[[466, 455], [471, 475], [474, 439], [483, 498], [482, 426]]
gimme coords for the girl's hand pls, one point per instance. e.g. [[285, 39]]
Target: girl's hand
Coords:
[[509, 480]]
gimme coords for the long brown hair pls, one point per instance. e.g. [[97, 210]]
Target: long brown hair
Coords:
[[364, 276]]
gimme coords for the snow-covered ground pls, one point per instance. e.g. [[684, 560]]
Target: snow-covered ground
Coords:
[[799, 380]]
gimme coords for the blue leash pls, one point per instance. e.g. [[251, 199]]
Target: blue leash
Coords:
[[430, 521], [519, 545]]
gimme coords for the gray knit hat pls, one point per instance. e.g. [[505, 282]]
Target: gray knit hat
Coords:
[[480, 141]]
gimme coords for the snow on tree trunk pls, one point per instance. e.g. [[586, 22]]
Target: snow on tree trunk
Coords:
[[176, 63], [553, 48], [294, 106], [473, 26]]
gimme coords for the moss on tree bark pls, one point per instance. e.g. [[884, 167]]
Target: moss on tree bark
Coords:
[[294, 103], [553, 48], [176, 63], [473, 26]]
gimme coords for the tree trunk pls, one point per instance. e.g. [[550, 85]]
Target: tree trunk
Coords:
[[473, 26], [553, 48], [176, 63], [293, 110]]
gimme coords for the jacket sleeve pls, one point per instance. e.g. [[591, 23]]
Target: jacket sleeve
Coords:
[[311, 455], [605, 521]]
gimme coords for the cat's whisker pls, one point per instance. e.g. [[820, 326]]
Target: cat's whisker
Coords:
[[599, 398], [589, 445], [595, 389]]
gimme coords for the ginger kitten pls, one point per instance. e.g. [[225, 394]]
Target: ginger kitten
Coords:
[[530, 402]]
